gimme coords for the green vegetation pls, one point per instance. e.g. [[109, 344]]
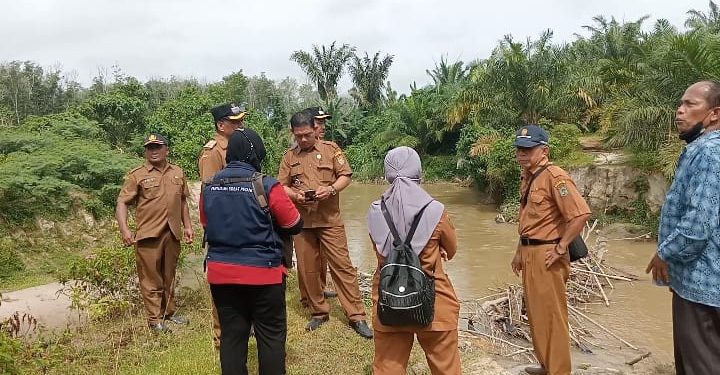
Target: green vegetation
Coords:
[[64, 150], [124, 345]]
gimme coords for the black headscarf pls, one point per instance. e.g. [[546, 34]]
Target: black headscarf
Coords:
[[245, 145]]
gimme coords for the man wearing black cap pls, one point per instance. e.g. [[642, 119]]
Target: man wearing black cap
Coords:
[[159, 191], [552, 214], [228, 118], [321, 118]]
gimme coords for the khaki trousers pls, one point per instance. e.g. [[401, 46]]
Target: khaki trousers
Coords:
[[546, 303], [310, 245], [392, 352], [323, 280], [156, 260]]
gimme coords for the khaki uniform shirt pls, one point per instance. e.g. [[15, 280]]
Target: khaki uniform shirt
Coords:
[[159, 196], [212, 157], [308, 170], [553, 201]]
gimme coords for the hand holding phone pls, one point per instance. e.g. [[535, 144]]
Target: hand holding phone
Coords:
[[310, 195]]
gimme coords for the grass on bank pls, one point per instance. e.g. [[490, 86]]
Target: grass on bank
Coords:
[[125, 346]]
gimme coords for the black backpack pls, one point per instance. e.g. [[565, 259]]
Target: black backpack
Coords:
[[406, 294]]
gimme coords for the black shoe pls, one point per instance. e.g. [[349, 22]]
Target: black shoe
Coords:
[[330, 294], [535, 370], [159, 328], [362, 329], [315, 323], [177, 319]]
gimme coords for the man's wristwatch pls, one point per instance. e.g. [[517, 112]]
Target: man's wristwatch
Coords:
[[332, 190]]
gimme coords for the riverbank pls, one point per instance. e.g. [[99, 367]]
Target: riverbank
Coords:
[[485, 249], [124, 345]]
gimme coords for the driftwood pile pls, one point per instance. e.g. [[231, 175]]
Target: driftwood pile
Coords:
[[500, 317]]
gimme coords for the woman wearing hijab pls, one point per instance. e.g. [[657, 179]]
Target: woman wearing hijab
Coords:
[[244, 260], [434, 241]]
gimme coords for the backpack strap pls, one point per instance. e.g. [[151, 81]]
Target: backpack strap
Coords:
[[230, 180], [259, 190], [415, 223], [388, 219]]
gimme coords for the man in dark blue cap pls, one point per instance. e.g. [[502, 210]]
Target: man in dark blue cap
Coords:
[[552, 214]]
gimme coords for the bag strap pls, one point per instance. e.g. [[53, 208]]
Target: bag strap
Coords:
[[523, 200], [396, 236], [259, 191]]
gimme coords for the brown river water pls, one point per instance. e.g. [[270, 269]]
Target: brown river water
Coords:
[[639, 312]]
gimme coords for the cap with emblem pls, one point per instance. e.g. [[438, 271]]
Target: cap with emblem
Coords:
[[229, 111], [156, 139], [319, 113], [531, 136]]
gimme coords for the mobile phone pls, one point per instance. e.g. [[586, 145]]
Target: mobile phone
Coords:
[[310, 195]]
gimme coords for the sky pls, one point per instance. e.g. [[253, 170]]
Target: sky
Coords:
[[212, 38]]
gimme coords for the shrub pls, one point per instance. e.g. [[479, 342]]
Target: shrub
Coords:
[[105, 283], [439, 168], [39, 170], [10, 262]]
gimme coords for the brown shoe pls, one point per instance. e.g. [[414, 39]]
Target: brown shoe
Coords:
[[535, 370]]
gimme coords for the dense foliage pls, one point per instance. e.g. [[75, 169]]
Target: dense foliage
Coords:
[[618, 80]]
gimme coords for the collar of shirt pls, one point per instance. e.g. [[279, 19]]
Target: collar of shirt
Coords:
[[221, 141], [150, 167], [298, 150]]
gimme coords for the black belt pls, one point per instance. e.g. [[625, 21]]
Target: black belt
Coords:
[[534, 242]]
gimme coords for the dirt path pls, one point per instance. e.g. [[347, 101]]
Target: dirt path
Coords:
[[50, 308]]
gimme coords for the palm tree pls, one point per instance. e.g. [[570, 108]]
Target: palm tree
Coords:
[[446, 74], [369, 76], [324, 66], [641, 115], [709, 21], [520, 83]]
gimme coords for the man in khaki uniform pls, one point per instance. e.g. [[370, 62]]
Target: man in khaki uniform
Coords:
[[320, 118], [228, 118], [159, 191], [552, 214], [315, 171]]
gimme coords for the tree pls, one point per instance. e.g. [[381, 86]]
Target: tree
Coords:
[[121, 111], [369, 77], [521, 83], [324, 66], [445, 74], [28, 89], [709, 22]]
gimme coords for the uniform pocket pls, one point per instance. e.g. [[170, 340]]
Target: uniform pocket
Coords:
[[177, 183], [326, 173], [536, 198], [150, 187], [296, 175]]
